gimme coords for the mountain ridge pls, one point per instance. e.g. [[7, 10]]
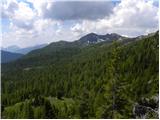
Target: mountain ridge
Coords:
[[25, 50], [9, 56], [72, 82]]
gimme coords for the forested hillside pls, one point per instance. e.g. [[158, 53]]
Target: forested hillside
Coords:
[[9, 56], [116, 79]]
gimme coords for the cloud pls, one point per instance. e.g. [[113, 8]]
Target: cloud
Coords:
[[129, 17], [24, 12], [39, 5], [41, 25], [19, 13], [74, 10], [43, 32], [133, 13], [38, 21], [8, 8]]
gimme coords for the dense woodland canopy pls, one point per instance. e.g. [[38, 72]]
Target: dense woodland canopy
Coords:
[[118, 79]]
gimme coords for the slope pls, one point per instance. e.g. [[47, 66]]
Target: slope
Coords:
[[16, 49], [61, 51], [9, 56], [118, 80]]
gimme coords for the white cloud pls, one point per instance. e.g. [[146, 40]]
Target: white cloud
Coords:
[[41, 5], [130, 18], [19, 14], [43, 24], [78, 29], [45, 34], [133, 13], [28, 26], [24, 12], [8, 8]]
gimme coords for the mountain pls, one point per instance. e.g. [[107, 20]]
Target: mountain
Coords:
[[9, 56], [66, 49], [112, 80], [93, 38], [26, 50], [11, 48], [89, 39]]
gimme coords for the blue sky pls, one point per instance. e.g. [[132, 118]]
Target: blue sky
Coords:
[[31, 22]]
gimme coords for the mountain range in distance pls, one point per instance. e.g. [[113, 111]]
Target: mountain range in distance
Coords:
[[79, 77], [16, 49], [14, 52], [90, 38], [9, 56]]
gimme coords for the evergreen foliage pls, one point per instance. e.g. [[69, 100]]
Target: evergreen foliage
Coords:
[[105, 80]]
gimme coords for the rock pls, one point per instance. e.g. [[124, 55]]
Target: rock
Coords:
[[146, 108]]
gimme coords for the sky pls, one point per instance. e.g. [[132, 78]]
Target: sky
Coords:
[[31, 22]]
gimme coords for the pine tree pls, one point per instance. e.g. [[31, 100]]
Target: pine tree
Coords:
[[27, 110], [50, 112], [84, 105], [112, 83]]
